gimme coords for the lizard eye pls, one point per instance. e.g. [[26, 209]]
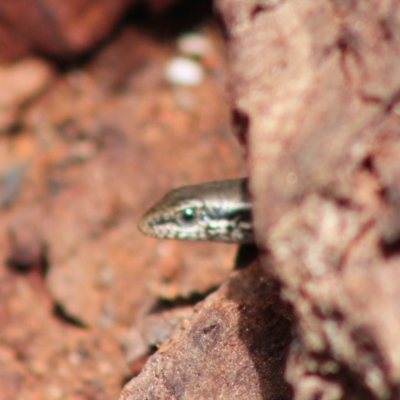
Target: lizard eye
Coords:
[[187, 216]]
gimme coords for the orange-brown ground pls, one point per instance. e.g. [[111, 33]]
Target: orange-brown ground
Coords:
[[83, 154]]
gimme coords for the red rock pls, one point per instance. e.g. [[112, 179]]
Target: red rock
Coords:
[[56, 28]]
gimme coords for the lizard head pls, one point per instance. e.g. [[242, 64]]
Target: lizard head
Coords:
[[193, 213], [176, 220]]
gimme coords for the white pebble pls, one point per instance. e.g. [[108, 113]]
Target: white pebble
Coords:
[[193, 45], [182, 71]]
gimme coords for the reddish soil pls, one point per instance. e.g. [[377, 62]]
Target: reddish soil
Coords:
[[83, 153]]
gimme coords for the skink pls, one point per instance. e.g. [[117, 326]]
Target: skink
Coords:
[[214, 211]]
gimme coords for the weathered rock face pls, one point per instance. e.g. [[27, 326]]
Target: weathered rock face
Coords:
[[234, 347], [316, 96]]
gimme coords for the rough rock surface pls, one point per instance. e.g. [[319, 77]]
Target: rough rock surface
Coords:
[[233, 347], [316, 97]]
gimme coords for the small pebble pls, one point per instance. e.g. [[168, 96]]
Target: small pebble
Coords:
[[194, 45], [183, 71]]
